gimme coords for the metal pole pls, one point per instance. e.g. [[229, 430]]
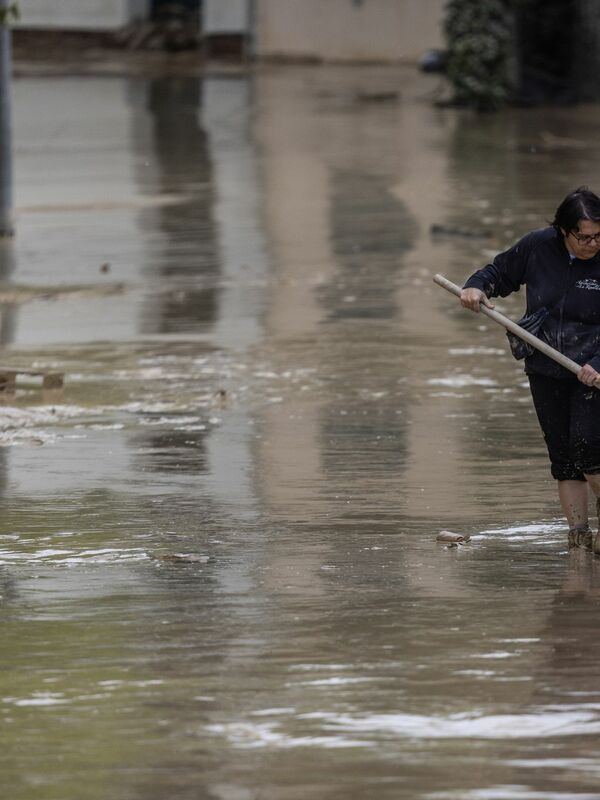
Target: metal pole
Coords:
[[6, 209]]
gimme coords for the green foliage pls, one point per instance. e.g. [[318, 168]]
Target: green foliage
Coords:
[[9, 14], [479, 38]]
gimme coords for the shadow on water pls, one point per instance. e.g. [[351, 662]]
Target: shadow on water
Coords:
[[218, 569]]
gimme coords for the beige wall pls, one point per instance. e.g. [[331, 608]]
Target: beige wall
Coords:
[[358, 30]]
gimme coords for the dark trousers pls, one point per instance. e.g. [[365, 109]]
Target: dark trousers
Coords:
[[569, 415]]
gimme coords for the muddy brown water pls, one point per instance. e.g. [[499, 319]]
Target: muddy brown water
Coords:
[[278, 386]]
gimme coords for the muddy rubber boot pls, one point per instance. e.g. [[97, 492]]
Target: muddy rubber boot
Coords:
[[581, 536]]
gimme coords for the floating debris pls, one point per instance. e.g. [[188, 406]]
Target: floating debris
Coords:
[[377, 97], [448, 230], [452, 538], [183, 558]]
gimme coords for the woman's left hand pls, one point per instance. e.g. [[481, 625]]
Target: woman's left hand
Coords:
[[588, 375]]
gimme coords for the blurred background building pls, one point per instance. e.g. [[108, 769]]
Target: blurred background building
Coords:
[[353, 30], [531, 51]]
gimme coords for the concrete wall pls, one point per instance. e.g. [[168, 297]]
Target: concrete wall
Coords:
[[80, 14], [358, 30]]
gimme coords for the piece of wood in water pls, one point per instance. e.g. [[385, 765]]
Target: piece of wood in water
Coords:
[[450, 536]]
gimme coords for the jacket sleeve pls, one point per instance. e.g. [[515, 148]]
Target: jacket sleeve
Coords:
[[506, 273]]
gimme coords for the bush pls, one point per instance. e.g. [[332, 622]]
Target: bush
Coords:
[[480, 41]]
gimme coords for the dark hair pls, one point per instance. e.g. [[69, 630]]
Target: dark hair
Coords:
[[580, 204]]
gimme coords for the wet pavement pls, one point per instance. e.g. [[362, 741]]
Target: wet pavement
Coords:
[[234, 273]]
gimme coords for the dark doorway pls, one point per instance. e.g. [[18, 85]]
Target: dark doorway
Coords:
[[545, 31]]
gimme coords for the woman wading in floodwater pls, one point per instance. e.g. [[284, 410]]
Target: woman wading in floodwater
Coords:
[[560, 268]]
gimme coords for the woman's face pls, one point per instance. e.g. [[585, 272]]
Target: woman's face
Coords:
[[578, 240]]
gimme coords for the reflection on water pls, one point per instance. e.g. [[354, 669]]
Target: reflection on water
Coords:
[[183, 252], [218, 567], [7, 311]]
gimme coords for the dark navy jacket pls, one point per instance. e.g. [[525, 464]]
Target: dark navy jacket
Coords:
[[568, 288]]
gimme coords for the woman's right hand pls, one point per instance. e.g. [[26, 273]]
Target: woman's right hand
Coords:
[[473, 298]]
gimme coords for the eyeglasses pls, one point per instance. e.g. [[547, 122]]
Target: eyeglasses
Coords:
[[584, 238]]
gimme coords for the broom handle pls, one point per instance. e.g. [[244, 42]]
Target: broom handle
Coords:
[[511, 326]]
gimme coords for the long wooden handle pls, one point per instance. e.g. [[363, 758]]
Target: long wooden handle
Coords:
[[507, 323]]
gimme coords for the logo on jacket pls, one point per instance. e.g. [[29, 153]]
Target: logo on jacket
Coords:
[[588, 283]]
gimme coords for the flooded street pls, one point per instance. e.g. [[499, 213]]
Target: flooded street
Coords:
[[218, 569]]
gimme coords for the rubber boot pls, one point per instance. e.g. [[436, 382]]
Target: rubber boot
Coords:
[[581, 536]]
